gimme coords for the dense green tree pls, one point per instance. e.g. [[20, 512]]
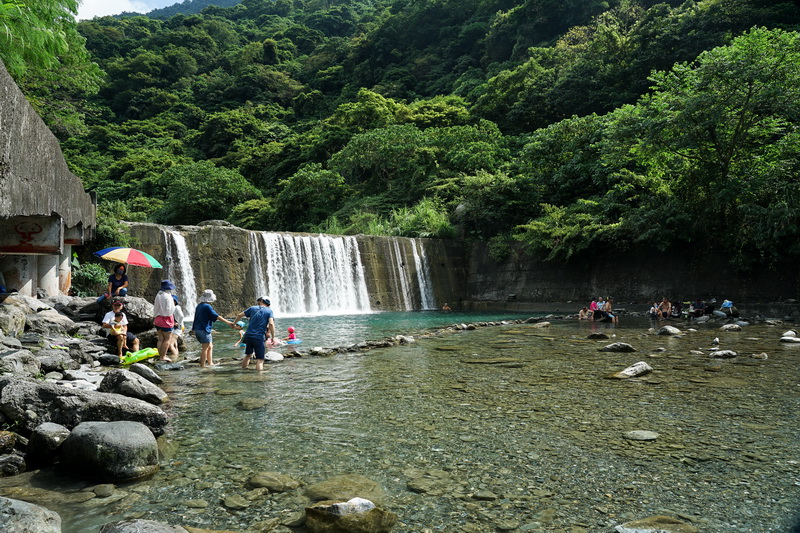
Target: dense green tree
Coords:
[[309, 196], [201, 191], [723, 131]]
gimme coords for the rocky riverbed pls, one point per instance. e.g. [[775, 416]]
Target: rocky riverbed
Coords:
[[516, 428]]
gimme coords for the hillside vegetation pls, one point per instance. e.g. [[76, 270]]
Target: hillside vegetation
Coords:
[[572, 127]]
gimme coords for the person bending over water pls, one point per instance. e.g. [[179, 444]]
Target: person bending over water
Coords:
[[261, 329]]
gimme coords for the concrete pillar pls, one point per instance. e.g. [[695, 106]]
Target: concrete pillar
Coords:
[[65, 270], [47, 275], [22, 274]]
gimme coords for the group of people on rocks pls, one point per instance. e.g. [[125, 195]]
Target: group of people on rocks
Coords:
[[599, 309], [603, 310], [672, 310], [169, 318]]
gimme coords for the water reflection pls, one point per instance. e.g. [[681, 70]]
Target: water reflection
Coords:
[[511, 428]]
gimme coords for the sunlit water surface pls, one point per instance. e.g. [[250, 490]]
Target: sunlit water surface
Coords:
[[518, 424]]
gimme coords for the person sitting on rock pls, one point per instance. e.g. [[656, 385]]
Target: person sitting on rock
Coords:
[[599, 312], [117, 284], [116, 323], [664, 308], [584, 314], [677, 310], [608, 310], [697, 309]]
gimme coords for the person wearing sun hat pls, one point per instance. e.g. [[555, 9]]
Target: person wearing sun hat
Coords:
[[262, 324], [204, 318], [164, 310]]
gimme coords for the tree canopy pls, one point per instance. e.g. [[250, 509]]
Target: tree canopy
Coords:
[[574, 127]]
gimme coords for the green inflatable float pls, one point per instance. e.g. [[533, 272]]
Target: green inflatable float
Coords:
[[140, 355]]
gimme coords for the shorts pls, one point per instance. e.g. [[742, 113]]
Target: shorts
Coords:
[[129, 337], [255, 346], [203, 336], [167, 330]]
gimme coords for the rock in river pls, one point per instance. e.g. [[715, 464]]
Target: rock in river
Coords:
[[24, 517], [618, 347], [111, 451]]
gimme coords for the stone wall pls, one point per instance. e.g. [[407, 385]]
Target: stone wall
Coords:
[[34, 177], [522, 282], [44, 209], [222, 260]]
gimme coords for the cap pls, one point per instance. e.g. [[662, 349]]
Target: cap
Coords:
[[265, 300], [117, 302], [240, 323]]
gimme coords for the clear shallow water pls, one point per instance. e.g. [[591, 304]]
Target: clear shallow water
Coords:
[[518, 412]]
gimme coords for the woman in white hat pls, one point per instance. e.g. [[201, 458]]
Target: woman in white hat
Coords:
[[204, 318]]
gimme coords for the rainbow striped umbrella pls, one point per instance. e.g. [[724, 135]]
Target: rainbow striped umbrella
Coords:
[[131, 256]]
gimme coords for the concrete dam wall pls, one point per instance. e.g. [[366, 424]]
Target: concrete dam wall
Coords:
[[300, 273]]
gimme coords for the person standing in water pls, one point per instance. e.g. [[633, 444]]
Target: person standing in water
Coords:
[[204, 318], [164, 322], [260, 329]]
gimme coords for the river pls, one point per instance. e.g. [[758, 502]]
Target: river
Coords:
[[507, 428]]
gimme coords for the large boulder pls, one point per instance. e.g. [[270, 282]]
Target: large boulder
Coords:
[[49, 321], [110, 451], [22, 517], [120, 381], [12, 320], [19, 363], [44, 443], [146, 372], [78, 309], [31, 403], [56, 361]]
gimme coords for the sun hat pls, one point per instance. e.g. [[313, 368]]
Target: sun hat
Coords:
[[208, 296], [167, 285]]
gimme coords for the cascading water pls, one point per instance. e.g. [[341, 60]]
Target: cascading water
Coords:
[[179, 271], [257, 270], [399, 272], [314, 274], [427, 300]]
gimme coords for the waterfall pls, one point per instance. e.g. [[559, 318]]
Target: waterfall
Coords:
[[179, 271], [314, 274], [423, 275], [257, 269], [399, 273]]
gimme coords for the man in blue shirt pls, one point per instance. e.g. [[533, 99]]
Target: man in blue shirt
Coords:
[[204, 318], [261, 324]]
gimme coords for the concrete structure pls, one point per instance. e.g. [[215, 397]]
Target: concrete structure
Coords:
[[44, 210]]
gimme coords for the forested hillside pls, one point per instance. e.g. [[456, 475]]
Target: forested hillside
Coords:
[[570, 126], [188, 7]]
